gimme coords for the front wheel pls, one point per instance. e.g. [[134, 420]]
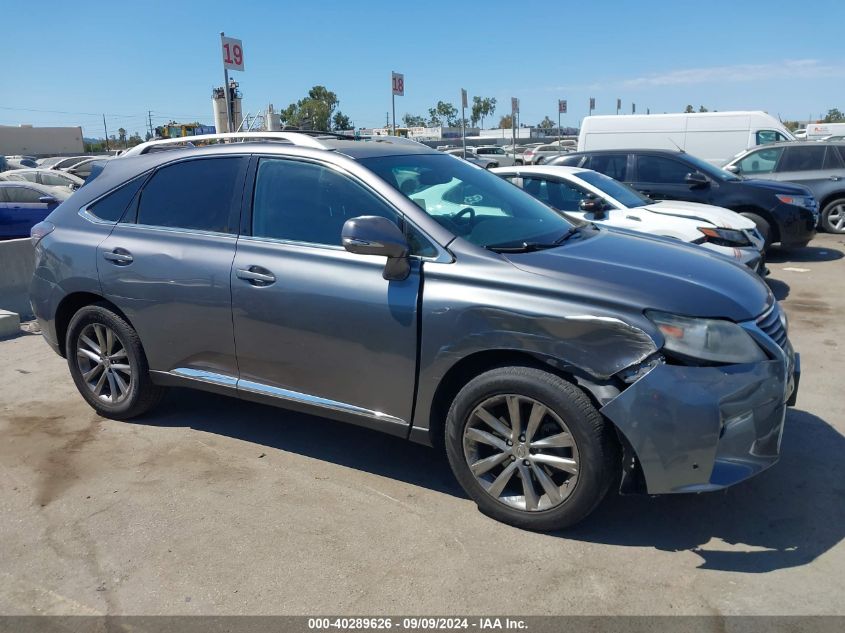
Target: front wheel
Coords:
[[108, 364], [833, 216], [529, 448]]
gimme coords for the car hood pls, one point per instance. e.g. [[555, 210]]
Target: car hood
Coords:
[[640, 272], [717, 216], [776, 186]]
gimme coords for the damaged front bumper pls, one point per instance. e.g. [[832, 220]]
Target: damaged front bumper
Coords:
[[696, 429]]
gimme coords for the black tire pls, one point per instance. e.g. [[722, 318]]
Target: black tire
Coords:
[[596, 446], [826, 223], [540, 161], [141, 394], [762, 225]]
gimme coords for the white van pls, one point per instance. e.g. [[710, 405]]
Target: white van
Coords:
[[714, 136], [818, 131]]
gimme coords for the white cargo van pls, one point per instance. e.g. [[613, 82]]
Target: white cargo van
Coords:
[[714, 136], [817, 131]]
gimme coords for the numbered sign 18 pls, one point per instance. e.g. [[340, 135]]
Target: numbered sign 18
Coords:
[[233, 53], [398, 84]]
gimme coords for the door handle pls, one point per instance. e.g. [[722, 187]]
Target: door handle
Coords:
[[836, 177], [255, 276], [119, 256]]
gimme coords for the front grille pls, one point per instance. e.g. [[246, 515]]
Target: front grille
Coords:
[[772, 324]]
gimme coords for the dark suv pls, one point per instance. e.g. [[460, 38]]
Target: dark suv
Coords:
[[389, 285], [783, 212], [819, 166]]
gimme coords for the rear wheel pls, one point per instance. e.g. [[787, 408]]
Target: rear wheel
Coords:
[[108, 364], [833, 216], [530, 448]]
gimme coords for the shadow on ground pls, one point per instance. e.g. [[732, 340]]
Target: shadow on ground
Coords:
[[785, 517], [319, 438], [777, 255]]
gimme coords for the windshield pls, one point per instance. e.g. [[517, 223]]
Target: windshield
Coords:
[[710, 169], [622, 193], [471, 202]]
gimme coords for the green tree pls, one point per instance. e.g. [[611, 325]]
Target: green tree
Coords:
[[689, 109], [135, 139], [506, 121], [546, 124], [341, 121], [834, 116], [121, 134], [313, 111], [482, 107], [703, 109], [443, 114], [412, 120]]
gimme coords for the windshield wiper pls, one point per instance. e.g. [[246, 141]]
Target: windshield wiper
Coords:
[[525, 247], [569, 233]]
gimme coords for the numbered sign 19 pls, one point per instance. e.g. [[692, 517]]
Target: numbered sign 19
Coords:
[[233, 53], [398, 84]]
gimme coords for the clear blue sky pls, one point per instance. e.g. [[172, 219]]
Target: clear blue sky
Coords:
[[82, 58]]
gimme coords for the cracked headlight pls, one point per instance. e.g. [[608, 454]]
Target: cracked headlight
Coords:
[[713, 340]]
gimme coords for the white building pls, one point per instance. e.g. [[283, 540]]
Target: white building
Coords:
[[27, 140]]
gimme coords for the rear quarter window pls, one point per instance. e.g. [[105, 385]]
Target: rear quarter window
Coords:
[[112, 206]]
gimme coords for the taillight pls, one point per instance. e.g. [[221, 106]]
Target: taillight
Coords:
[[37, 232]]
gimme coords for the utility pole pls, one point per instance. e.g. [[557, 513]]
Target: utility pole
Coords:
[[226, 88], [150, 118], [106, 130]]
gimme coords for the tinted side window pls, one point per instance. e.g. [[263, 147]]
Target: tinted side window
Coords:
[[558, 194], [112, 207], [661, 170], [760, 162], [613, 165], [196, 194], [569, 161], [803, 158], [55, 180], [23, 195], [832, 159], [306, 202]]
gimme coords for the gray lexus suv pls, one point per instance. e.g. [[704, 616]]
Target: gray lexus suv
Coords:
[[385, 284]]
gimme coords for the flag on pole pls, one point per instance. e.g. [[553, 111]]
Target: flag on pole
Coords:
[[514, 105], [463, 98], [633, 108], [592, 103], [619, 104], [561, 106]]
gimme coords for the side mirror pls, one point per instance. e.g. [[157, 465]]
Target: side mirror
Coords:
[[696, 179], [734, 169], [48, 200], [593, 205], [375, 235]]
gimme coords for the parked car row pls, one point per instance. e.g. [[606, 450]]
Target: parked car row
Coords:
[[550, 357], [817, 165], [784, 213]]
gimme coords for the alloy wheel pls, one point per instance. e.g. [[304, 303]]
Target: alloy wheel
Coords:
[[521, 452], [836, 218], [103, 363]]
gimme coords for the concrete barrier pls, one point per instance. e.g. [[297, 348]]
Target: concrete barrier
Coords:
[[17, 263]]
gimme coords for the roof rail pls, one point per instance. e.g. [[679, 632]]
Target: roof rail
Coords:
[[294, 138]]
